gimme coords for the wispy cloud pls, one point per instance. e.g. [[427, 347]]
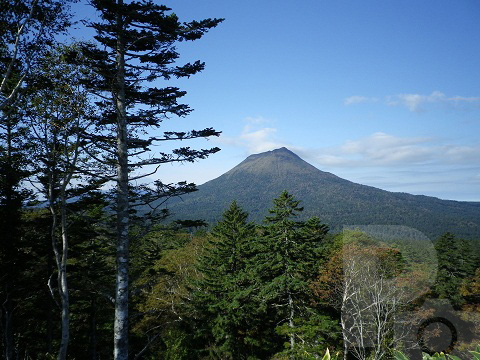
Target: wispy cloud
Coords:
[[419, 102], [417, 165], [357, 99], [257, 120], [255, 136], [384, 150]]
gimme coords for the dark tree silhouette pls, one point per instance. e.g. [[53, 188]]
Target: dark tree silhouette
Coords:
[[136, 45]]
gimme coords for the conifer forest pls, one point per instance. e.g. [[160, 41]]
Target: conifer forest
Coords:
[[94, 266]]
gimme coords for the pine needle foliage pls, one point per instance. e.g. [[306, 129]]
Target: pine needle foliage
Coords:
[[223, 293], [287, 259]]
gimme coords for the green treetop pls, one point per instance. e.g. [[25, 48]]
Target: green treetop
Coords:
[[223, 297], [287, 260]]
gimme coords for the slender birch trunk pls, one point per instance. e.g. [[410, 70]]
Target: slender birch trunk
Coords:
[[61, 255], [345, 343], [62, 279], [121, 293], [61, 262]]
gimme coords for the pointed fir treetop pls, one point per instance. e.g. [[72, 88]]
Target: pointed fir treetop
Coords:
[[233, 215], [285, 207], [231, 235]]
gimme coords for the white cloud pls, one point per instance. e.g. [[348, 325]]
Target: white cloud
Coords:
[[357, 99], [408, 164], [418, 102], [255, 138], [259, 140], [471, 99], [384, 150], [328, 159]]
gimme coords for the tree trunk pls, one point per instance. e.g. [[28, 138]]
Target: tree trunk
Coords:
[[62, 282], [343, 323], [121, 292], [290, 320], [50, 308], [60, 255], [7, 326], [93, 329], [345, 342], [9, 239]]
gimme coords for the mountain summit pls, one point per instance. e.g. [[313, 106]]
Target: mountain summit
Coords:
[[279, 163], [260, 178]]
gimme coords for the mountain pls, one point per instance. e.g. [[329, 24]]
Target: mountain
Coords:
[[260, 178]]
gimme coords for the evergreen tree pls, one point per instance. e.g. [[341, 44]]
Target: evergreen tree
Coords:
[[32, 321], [91, 280], [13, 161], [287, 261], [137, 46], [455, 264], [222, 295]]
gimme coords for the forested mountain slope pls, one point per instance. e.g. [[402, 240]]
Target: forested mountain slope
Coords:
[[261, 177]]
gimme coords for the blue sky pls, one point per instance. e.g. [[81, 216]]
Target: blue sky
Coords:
[[383, 93]]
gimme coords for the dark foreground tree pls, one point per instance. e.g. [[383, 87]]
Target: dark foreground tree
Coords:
[[455, 265], [222, 295], [136, 45], [288, 259], [13, 160]]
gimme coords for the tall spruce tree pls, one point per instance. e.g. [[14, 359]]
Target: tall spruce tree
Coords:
[[287, 261], [222, 295], [136, 46], [455, 264]]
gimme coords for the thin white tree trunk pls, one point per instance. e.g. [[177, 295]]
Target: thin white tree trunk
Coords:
[[121, 293], [62, 280], [60, 258]]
